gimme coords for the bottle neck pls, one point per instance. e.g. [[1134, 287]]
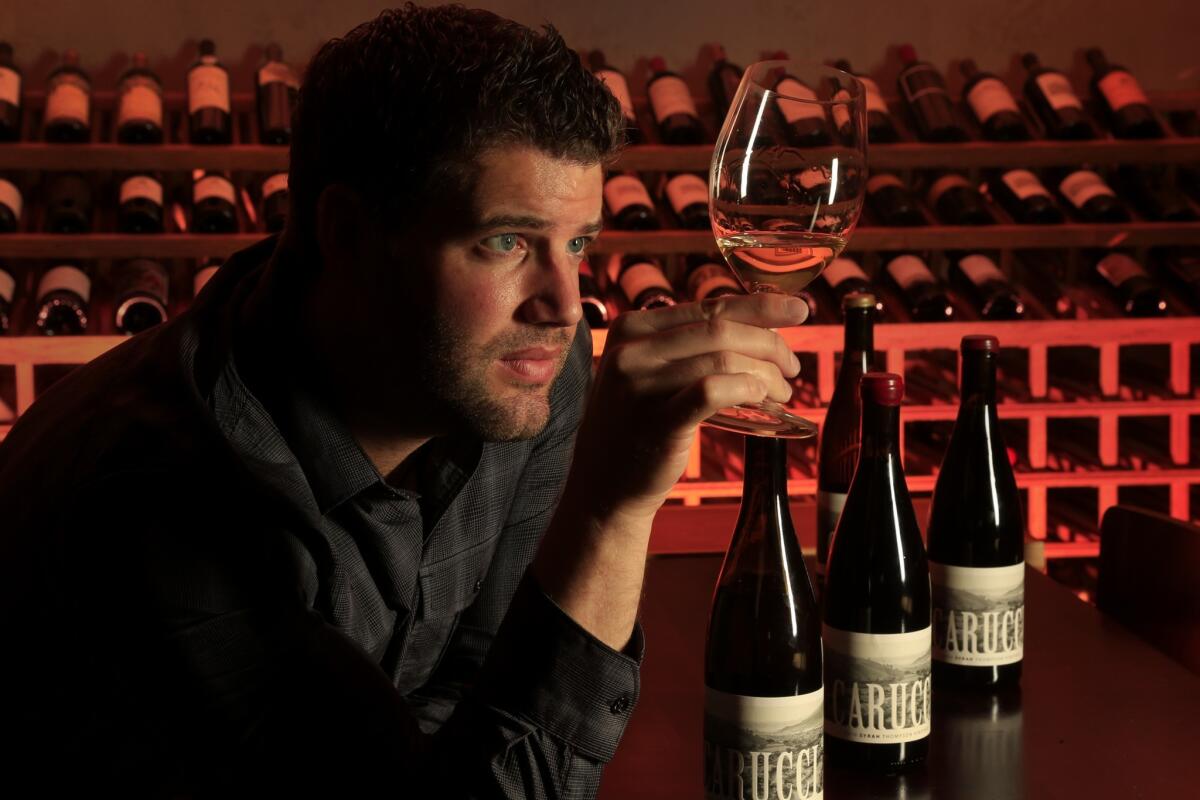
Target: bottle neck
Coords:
[[860, 335], [766, 470], [979, 379], [880, 432]]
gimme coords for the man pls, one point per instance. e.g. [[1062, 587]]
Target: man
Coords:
[[318, 534]]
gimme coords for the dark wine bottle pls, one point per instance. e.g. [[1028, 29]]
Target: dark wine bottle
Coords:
[[805, 124], [842, 427], [205, 269], [880, 127], [1125, 104], [1185, 121], [1138, 293], [977, 276], [1182, 264], [642, 282], [993, 105], [614, 79], [278, 88], [1153, 195], [877, 604], [1188, 179], [957, 202], [11, 206], [723, 81], [763, 710], [10, 95], [628, 203], [687, 195], [977, 540], [892, 202], [595, 310], [1022, 195], [62, 301], [275, 202], [923, 293], [214, 203], [673, 107], [139, 104], [1091, 198], [8, 289], [844, 276], [68, 204], [141, 295], [208, 99], [928, 102], [1042, 275], [1050, 94], [707, 277], [140, 204], [68, 116]]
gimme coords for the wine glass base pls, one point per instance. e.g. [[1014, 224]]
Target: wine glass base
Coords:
[[762, 419]]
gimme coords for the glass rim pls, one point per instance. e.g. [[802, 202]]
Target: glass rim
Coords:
[[858, 91]]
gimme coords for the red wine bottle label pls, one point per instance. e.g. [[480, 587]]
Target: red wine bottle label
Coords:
[[829, 511], [1116, 268], [208, 87], [874, 96], [685, 189], [141, 186], [909, 271], [637, 278], [669, 95], [989, 97], [8, 286], [980, 269], [797, 101], [67, 278], [276, 183], [10, 196], [841, 269], [278, 72], [141, 99], [213, 186], [202, 277], [711, 280], [877, 685], [764, 747], [10, 86], [978, 614], [622, 191], [945, 184], [1082, 185], [1121, 89], [69, 98], [616, 84], [920, 80], [877, 182], [1024, 183], [1058, 91]]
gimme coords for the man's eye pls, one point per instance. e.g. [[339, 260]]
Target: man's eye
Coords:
[[578, 245], [503, 242]]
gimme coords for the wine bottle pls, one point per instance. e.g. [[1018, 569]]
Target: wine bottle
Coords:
[[993, 105], [957, 202], [844, 276], [891, 201], [1125, 104], [139, 104], [1042, 275], [205, 269], [68, 204], [595, 310], [687, 195], [1139, 294], [922, 292], [977, 539], [208, 99], [1182, 264], [141, 295], [11, 206], [841, 429], [880, 127], [673, 107], [214, 203], [877, 604], [1022, 195], [643, 283], [140, 204], [928, 102], [275, 202], [614, 79], [707, 277], [1153, 195], [62, 300], [1051, 96], [278, 88], [723, 81], [1091, 198], [977, 276], [763, 710], [804, 119], [628, 203], [10, 95], [8, 289], [68, 116], [1185, 121]]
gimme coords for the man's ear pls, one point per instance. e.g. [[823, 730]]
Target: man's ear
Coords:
[[341, 222]]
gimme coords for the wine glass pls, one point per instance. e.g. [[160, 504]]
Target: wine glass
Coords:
[[786, 189]]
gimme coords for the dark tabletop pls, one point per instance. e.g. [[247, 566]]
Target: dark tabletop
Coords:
[[1099, 714]]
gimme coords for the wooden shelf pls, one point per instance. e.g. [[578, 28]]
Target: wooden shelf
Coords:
[[157, 157]]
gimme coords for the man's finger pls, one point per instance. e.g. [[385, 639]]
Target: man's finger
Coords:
[[763, 309], [674, 377], [713, 336]]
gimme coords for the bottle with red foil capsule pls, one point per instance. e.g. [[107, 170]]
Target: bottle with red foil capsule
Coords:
[[880, 127], [1053, 98], [673, 107], [68, 115], [805, 121], [615, 80], [924, 93], [993, 105], [1120, 95], [139, 104]]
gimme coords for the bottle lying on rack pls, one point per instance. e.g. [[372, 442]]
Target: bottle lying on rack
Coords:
[[844, 276], [595, 310], [1024, 197], [876, 630], [1125, 104], [8, 291], [1138, 293], [628, 203], [1042, 274], [614, 79], [978, 278], [1182, 264], [275, 201], [687, 196], [880, 127], [924, 297], [1052, 97], [68, 204], [1087, 193], [205, 269], [140, 204], [993, 105], [892, 202], [141, 294], [1155, 197], [929, 105], [214, 203], [139, 104], [707, 276], [10, 95], [62, 300], [209, 108], [12, 204], [764, 699], [723, 81], [277, 90], [804, 118], [673, 107], [68, 114], [957, 202], [642, 282]]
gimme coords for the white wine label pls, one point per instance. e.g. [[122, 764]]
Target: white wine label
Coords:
[[140, 100], [1058, 91], [1118, 268], [709, 278], [213, 186], [908, 271], [67, 278], [1121, 89], [913, 89], [70, 98], [877, 182], [877, 685], [276, 183], [686, 189], [1082, 185], [8, 286], [978, 614], [945, 184], [1024, 183], [10, 86], [764, 747], [208, 87], [669, 95], [143, 186], [829, 511], [202, 277], [980, 269], [616, 84], [10, 196], [622, 191], [791, 98], [637, 278], [990, 96], [277, 72], [841, 269]]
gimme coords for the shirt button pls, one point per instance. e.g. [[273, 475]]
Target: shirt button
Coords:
[[620, 705]]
